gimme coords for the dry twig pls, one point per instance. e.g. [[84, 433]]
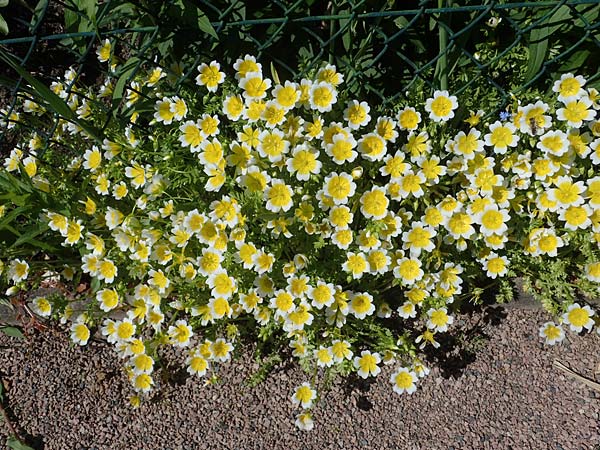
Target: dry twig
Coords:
[[573, 374]]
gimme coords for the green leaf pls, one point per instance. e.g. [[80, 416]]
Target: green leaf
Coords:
[[3, 3], [95, 285], [401, 22], [12, 184], [575, 61], [274, 74], [187, 12], [205, 25], [112, 15], [6, 220], [3, 25], [126, 71], [89, 7], [53, 101], [19, 200], [38, 14], [29, 235], [71, 19], [12, 332], [589, 16], [15, 444], [42, 245], [347, 36], [539, 41]]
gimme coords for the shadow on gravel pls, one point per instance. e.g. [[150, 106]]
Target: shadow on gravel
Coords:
[[356, 384], [458, 350], [35, 442]]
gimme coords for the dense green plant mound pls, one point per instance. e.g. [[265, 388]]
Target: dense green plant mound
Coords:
[[285, 210]]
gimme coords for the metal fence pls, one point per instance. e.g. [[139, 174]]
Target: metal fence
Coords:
[[385, 48]]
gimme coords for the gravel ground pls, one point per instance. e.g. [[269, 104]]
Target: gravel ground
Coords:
[[493, 388]]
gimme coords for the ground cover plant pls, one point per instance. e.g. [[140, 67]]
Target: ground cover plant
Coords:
[[244, 206]]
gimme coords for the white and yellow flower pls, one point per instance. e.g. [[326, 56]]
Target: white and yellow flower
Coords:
[[367, 364], [210, 75], [322, 96], [441, 106], [579, 317], [502, 135], [304, 395], [569, 87], [409, 118], [552, 333], [404, 380], [357, 114], [439, 320]]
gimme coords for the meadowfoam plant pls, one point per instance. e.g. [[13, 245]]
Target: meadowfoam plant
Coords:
[[249, 206]]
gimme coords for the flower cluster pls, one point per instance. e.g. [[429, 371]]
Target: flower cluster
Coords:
[[250, 202]]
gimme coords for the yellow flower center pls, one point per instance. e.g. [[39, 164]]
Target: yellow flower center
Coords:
[[492, 220], [575, 215], [403, 380], [408, 119], [304, 394], [441, 106], [496, 265], [375, 203], [552, 332], [578, 317], [322, 97], [569, 87], [439, 318], [501, 137], [361, 304], [280, 195]]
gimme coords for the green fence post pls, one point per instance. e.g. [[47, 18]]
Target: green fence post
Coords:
[[442, 64]]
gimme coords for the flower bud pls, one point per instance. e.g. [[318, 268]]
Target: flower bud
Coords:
[[13, 290]]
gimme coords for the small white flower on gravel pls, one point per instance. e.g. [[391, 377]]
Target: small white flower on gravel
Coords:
[[341, 350], [221, 350], [304, 421], [420, 369], [367, 364], [197, 364], [439, 319], [180, 333], [324, 356], [427, 337], [578, 317], [142, 382], [552, 333], [406, 310], [304, 395], [41, 306], [80, 333], [124, 329], [142, 364], [108, 299], [404, 380], [389, 357], [18, 270]]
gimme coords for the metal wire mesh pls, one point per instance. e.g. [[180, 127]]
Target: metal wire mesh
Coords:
[[503, 47]]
